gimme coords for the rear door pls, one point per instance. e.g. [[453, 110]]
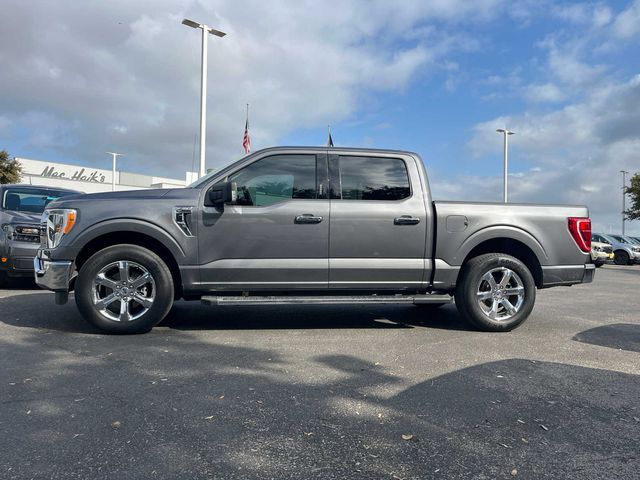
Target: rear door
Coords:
[[378, 225], [277, 236]]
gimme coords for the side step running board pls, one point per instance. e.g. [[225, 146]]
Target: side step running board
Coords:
[[325, 300]]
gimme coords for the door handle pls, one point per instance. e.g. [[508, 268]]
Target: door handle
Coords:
[[406, 220], [307, 218]]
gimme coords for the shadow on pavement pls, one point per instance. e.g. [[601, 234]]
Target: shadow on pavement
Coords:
[[21, 283], [142, 407], [622, 336], [38, 311], [194, 316]]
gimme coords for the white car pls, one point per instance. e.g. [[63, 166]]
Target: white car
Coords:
[[601, 252]]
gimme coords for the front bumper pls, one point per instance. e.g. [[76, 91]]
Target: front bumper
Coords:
[[556, 275], [17, 258], [53, 275], [602, 256]]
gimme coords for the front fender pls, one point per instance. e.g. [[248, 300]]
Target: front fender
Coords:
[[120, 225]]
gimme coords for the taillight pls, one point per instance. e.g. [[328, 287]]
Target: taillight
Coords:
[[580, 229]]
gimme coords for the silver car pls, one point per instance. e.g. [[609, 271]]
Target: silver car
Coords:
[[626, 251]]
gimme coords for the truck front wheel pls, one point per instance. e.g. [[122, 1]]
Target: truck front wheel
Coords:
[[124, 289], [495, 292]]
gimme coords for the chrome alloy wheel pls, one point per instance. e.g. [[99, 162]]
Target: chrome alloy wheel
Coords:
[[123, 291], [500, 293]]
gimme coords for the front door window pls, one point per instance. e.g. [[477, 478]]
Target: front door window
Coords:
[[276, 179]]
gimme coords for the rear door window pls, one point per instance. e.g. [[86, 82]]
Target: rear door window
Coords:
[[373, 178]]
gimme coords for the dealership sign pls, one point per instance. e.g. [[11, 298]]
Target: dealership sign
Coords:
[[64, 171], [79, 175]]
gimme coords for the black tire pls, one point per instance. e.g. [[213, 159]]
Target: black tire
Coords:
[[621, 258], [598, 264], [161, 288], [471, 281]]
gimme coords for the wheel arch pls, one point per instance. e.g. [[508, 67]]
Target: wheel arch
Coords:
[[131, 237], [513, 247]]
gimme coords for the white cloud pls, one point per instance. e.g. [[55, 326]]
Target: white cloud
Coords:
[[627, 23], [583, 13], [547, 92], [125, 75], [577, 151]]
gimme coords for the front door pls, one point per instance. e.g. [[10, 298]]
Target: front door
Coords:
[[378, 223], [277, 235]]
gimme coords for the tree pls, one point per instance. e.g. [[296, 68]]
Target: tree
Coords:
[[10, 170], [634, 191]]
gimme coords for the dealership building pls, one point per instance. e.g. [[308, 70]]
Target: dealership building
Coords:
[[91, 179]]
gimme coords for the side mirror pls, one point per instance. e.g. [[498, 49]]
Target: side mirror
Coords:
[[223, 193]]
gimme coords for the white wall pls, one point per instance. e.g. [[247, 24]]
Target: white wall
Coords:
[[89, 179]]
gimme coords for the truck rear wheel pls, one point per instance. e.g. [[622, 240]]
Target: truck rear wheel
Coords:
[[124, 289], [495, 292]]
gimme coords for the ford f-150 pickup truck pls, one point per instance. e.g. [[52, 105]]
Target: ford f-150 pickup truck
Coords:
[[307, 225], [21, 208]]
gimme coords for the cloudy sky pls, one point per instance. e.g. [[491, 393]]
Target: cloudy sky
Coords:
[[436, 77]]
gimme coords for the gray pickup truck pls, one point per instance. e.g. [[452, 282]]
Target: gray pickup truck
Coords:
[[307, 226], [21, 208]]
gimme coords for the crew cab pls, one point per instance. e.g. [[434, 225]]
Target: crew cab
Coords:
[[21, 208], [307, 225]]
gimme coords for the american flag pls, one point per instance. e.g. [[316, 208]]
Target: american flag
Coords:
[[246, 140]]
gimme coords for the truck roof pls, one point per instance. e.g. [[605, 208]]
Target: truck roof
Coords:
[[336, 149]]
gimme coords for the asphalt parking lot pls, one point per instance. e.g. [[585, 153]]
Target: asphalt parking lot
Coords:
[[326, 392]]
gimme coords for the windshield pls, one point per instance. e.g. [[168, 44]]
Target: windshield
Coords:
[[29, 200], [633, 240]]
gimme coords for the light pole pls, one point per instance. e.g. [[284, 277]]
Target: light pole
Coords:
[[203, 85], [114, 156], [506, 134], [624, 203]]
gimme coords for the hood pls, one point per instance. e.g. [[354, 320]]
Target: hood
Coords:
[[71, 200], [133, 194], [23, 218]]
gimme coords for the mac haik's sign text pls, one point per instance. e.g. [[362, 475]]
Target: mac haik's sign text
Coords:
[[79, 175]]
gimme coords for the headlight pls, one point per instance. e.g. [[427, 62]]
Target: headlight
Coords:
[[22, 233], [636, 249], [597, 249], [57, 223]]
